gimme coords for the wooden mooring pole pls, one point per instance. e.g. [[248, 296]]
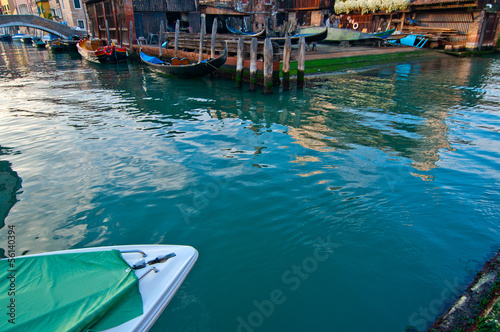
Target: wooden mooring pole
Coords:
[[286, 63], [240, 58], [214, 35], [130, 34], [160, 37], [301, 63], [202, 36], [177, 28], [107, 32], [268, 66], [253, 64]]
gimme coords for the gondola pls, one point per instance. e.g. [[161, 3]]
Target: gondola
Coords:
[[309, 37], [250, 34], [183, 69], [98, 50]]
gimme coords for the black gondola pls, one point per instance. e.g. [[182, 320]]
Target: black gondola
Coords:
[[186, 70]]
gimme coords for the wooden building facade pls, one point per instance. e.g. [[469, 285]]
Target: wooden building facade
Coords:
[[146, 16], [305, 12], [472, 24], [112, 14]]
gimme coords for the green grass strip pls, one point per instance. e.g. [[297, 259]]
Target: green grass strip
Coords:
[[343, 63]]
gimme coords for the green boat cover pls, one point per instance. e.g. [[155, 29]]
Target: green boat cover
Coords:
[[90, 291]]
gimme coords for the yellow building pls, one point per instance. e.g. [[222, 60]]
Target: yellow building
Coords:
[[43, 7], [5, 7]]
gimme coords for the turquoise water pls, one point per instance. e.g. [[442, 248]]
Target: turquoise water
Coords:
[[366, 202]]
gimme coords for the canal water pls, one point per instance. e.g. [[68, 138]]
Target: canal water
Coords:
[[366, 202]]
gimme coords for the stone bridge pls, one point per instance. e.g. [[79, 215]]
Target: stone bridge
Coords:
[[37, 22]]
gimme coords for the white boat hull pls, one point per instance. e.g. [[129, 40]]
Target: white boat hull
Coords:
[[156, 288]]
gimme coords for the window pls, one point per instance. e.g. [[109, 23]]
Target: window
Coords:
[[77, 4], [23, 9], [80, 24], [56, 13]]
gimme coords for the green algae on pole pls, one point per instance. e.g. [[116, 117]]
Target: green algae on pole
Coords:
[[240, 57], [287, 50]]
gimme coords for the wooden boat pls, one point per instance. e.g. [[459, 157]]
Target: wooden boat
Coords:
[[309, 37], [98, 50], [112, 289], [56, 46], [181, 68], [38, 43], [27, 39], [337, 35], [5, 37], [70, 43], [18, 36], [260, 34], [383, 34], [396, 38]]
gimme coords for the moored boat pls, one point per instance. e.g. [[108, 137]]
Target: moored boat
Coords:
[[309, 37], [115, 289], [38, 43], [183, 69], [260, 34], [18, 36], [70, 43], [5, 37], [383, 34], [56, 46], [27, 39], [338, 35], [98, 50]]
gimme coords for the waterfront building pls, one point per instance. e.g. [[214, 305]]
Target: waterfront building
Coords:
[[69, 11], [43, 9], [22, 7], [6, 7], [472, 24], [469, 24]]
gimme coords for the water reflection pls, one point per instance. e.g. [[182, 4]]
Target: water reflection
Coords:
[[402, 109], [10, 183]]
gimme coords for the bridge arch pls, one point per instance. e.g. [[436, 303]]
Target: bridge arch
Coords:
[[32, 21]]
